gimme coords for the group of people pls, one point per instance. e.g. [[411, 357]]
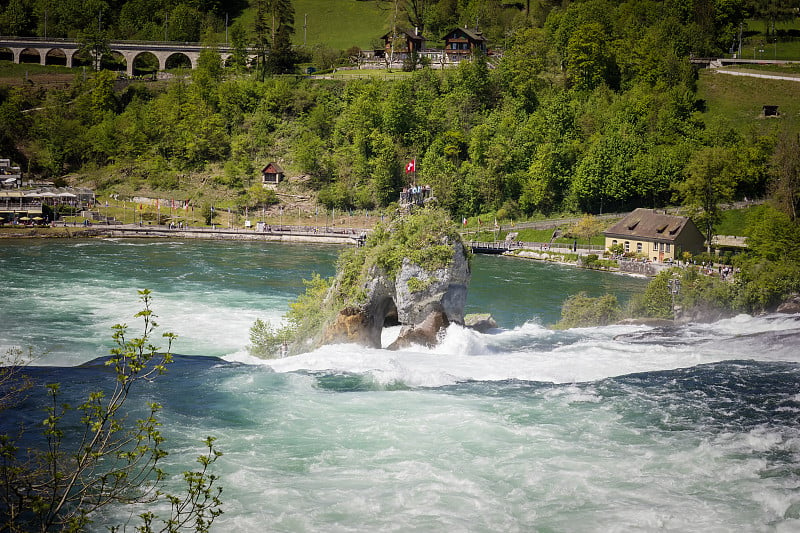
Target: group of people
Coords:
[[416, 194]]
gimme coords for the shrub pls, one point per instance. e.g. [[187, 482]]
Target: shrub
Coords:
[[265, 340], [418, 285], [656, 302], [580, 310]]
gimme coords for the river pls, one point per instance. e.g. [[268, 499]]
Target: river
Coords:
[[620, 428]]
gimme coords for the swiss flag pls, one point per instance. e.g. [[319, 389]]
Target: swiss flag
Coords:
[[411, 166]]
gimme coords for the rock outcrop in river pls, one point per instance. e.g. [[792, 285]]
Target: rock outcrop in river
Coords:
[[413, 271]]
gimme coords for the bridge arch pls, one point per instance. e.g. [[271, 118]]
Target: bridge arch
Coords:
[[141, 62], [178, 60], [116, 61], [81, 59], [29, 55], [58, 56], [65, 52]]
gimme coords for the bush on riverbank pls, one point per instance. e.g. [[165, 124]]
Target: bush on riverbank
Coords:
[[580, 310], [593, 261]]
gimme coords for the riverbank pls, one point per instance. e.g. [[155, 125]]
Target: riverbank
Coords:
[[580, 258], [285, 234]]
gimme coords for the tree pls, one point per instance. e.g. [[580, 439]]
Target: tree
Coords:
[[238, 35], [281, 58], [310, 155], [523, 64], [586, 228], [184, 23], [785, 166], [711, 181], [258, 196], [16, 19], [589, 61], [773, 11], [416, 11], [208, 74], [106, 461], [274, 26], [772, 235], [603, 177], [384, 169], [94, 42], [546, 178]]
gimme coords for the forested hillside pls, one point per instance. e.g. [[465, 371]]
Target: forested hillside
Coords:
[[591, 107]]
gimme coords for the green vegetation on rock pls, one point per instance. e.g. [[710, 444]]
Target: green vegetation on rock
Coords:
[[424, 238]]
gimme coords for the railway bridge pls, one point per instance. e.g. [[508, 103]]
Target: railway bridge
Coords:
[[64, 51]]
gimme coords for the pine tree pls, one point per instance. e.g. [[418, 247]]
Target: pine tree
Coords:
[[274, 27]]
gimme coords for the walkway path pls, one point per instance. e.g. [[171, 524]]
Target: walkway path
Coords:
[[751, 74], [319, 235]]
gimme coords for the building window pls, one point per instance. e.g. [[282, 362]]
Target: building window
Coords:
[[627, 246], [655, 246], [661, 247], [667, 250], [614, 242], [638, 247]]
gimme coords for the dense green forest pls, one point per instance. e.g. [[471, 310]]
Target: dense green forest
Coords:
[[591, 107]]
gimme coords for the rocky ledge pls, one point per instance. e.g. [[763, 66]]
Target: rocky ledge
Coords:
[[413, 272], [423, 297]]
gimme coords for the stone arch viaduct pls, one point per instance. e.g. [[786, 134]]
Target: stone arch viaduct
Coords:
[[51, 51]]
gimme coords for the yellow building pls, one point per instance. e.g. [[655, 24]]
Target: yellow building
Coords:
[[655, 235]]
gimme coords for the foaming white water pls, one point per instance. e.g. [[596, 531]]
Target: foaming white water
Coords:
[[210, 323], [534, 353], [747, 324]]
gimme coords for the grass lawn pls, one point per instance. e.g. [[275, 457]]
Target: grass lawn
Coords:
[[35, 74], [733, 222], [9, 69], [769, 49], [737, 101], [341, 24], [338, 24]]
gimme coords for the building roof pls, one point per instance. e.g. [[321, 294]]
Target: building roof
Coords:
[[410, 34], [276, 168], [648, 224], [475, 35]]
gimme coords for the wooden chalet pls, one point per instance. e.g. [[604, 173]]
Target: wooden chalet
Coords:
[[655, 236], [460, 43], [272, 174], [409, 41]]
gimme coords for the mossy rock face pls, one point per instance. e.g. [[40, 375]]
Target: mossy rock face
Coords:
[[413, 271]]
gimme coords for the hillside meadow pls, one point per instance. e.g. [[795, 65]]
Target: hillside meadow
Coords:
[[738, 100]]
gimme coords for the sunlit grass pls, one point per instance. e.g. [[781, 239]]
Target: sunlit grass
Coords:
[[737, 101]]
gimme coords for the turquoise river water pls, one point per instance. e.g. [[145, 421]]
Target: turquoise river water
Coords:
[[623, 428]]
